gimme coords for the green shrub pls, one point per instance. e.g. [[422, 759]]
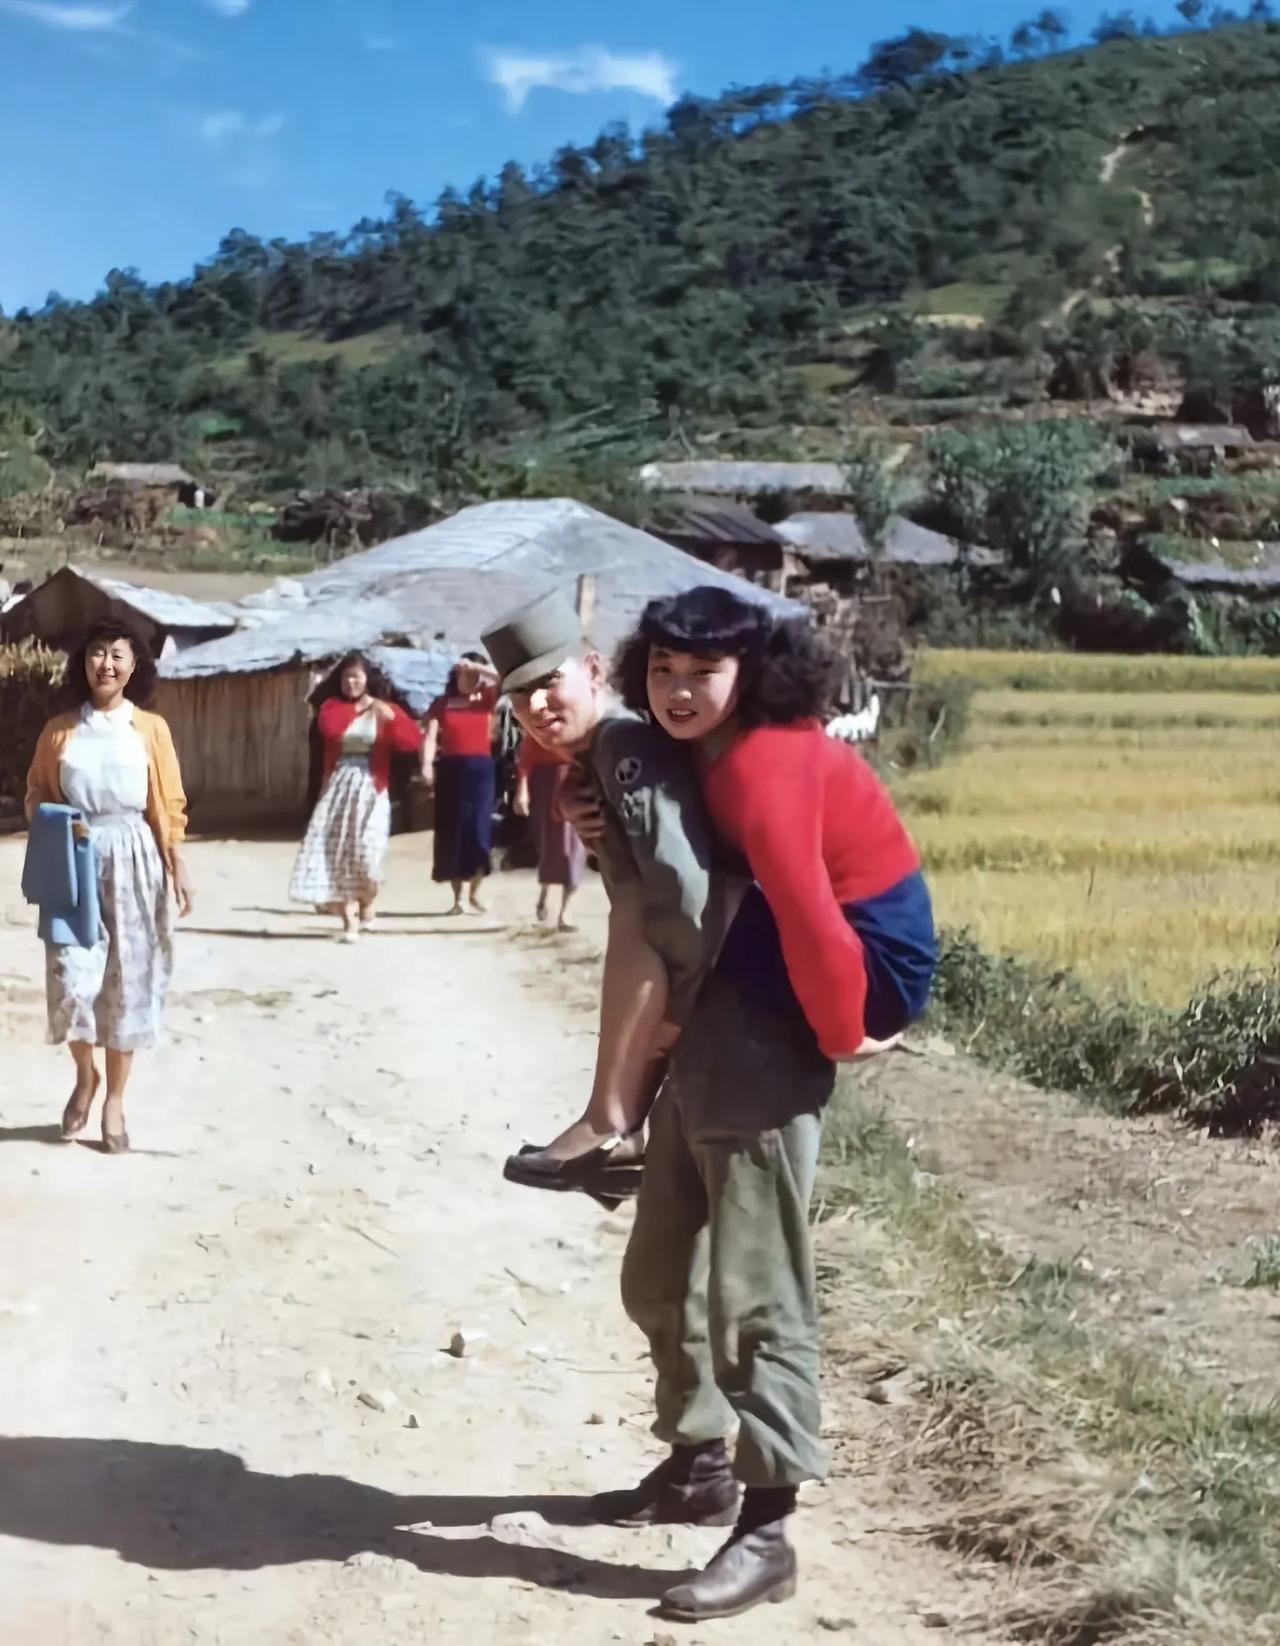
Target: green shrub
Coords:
[[1216, 1062]]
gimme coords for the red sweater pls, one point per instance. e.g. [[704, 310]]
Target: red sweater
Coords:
[[532, 756], [466, 724], [819, 831], [399, 735]]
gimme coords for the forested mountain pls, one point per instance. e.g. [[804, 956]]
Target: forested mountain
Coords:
[[941, 226]]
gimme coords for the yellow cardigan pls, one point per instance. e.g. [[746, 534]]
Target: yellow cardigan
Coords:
[[166, 809]]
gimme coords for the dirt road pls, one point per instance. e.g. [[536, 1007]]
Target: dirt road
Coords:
[[229, 1411]]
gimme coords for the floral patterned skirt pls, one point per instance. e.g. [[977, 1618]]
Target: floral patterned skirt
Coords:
[[114, 994]]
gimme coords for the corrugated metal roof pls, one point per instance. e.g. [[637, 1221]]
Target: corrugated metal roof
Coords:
[[71, 597], [449, 582], [830, 538], [737, 479]]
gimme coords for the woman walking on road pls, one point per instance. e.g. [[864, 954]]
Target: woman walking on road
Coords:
[[340, 865], [116, 764], [458, 764], [562, 858]]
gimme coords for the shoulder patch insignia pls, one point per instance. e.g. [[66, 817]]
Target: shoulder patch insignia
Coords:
[[628, 771]]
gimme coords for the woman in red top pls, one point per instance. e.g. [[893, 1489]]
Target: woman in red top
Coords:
[[562, 858], [837, 927], [339, 868], [458, 763], [839, 914]]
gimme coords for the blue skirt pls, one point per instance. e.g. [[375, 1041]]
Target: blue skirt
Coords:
[[899, 951], [465, 787]]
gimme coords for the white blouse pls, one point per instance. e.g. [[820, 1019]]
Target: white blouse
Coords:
[[104, 770], [360, 736]]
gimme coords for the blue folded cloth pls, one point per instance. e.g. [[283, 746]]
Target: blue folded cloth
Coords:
[[61, 875]]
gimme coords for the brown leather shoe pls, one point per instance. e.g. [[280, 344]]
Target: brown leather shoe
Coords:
[[754, 1568], [694, 1486]]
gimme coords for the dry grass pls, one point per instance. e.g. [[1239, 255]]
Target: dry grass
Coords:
[[1098, 672], [1130, 836], [1130, 1502]]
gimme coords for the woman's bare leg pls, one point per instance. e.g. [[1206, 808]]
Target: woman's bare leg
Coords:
[[457, 897], [629, 1066], [368, 909], [566, 897], [75, 1117], [119, 1068], [476, 882], [544, 896]]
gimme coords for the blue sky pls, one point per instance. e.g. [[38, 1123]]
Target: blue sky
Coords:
[[136, 135]]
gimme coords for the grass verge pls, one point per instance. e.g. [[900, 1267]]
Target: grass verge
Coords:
[[1131, 1502], [1216, 1061]]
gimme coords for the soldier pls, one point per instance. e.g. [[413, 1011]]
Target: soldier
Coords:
[[718, 1272], [668, 909]]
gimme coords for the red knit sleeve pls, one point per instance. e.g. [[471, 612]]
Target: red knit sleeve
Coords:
[[773, 783], [336, 714], [403, 734]]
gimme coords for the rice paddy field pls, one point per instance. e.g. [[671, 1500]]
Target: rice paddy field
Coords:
[[1119, 816]]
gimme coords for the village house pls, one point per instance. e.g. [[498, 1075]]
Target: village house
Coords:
[[60, 609], [238, 706], [168, 478]]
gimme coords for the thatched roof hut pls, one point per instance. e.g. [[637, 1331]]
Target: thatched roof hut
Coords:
[[728, 478], [728, 535], [237, 706], [65, 604], [171, 475], [824, 540], [1250, 569]]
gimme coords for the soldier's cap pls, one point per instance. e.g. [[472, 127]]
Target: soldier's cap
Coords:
[[534, 640]]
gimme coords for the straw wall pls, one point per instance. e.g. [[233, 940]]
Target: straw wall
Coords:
[[30, 687], [242, 740]]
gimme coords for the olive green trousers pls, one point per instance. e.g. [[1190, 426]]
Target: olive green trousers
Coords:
[[718, 1273]]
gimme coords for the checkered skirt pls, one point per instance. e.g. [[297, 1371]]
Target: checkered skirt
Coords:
[[345, 846]]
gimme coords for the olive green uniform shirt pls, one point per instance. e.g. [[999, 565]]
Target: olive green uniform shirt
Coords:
[[658, 836]]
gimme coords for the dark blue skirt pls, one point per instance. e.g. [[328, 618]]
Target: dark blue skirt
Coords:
[[465, 788], [899, 950]]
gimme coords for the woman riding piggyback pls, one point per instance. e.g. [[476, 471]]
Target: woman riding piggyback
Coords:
[[839, 913]]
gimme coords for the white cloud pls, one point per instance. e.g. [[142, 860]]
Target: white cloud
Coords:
[[69, 19], [519, 73], [231, 8], [225, 128], [379, 42]]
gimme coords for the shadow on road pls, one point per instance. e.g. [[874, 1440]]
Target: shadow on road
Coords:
[[184, 1508], [32, 1134]]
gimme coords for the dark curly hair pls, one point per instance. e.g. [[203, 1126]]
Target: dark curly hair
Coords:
[[106, 631], [379, 685], [786, 672], [451, 684]]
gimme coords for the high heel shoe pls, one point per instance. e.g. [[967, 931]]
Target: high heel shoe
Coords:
[[599, 1169]]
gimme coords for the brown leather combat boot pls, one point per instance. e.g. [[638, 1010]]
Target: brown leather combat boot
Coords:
[[757, 1565], [694, 1486]]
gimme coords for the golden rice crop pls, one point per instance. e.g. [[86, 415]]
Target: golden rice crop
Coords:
[[1145, 855], [1144, 710], [1096, 671]]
